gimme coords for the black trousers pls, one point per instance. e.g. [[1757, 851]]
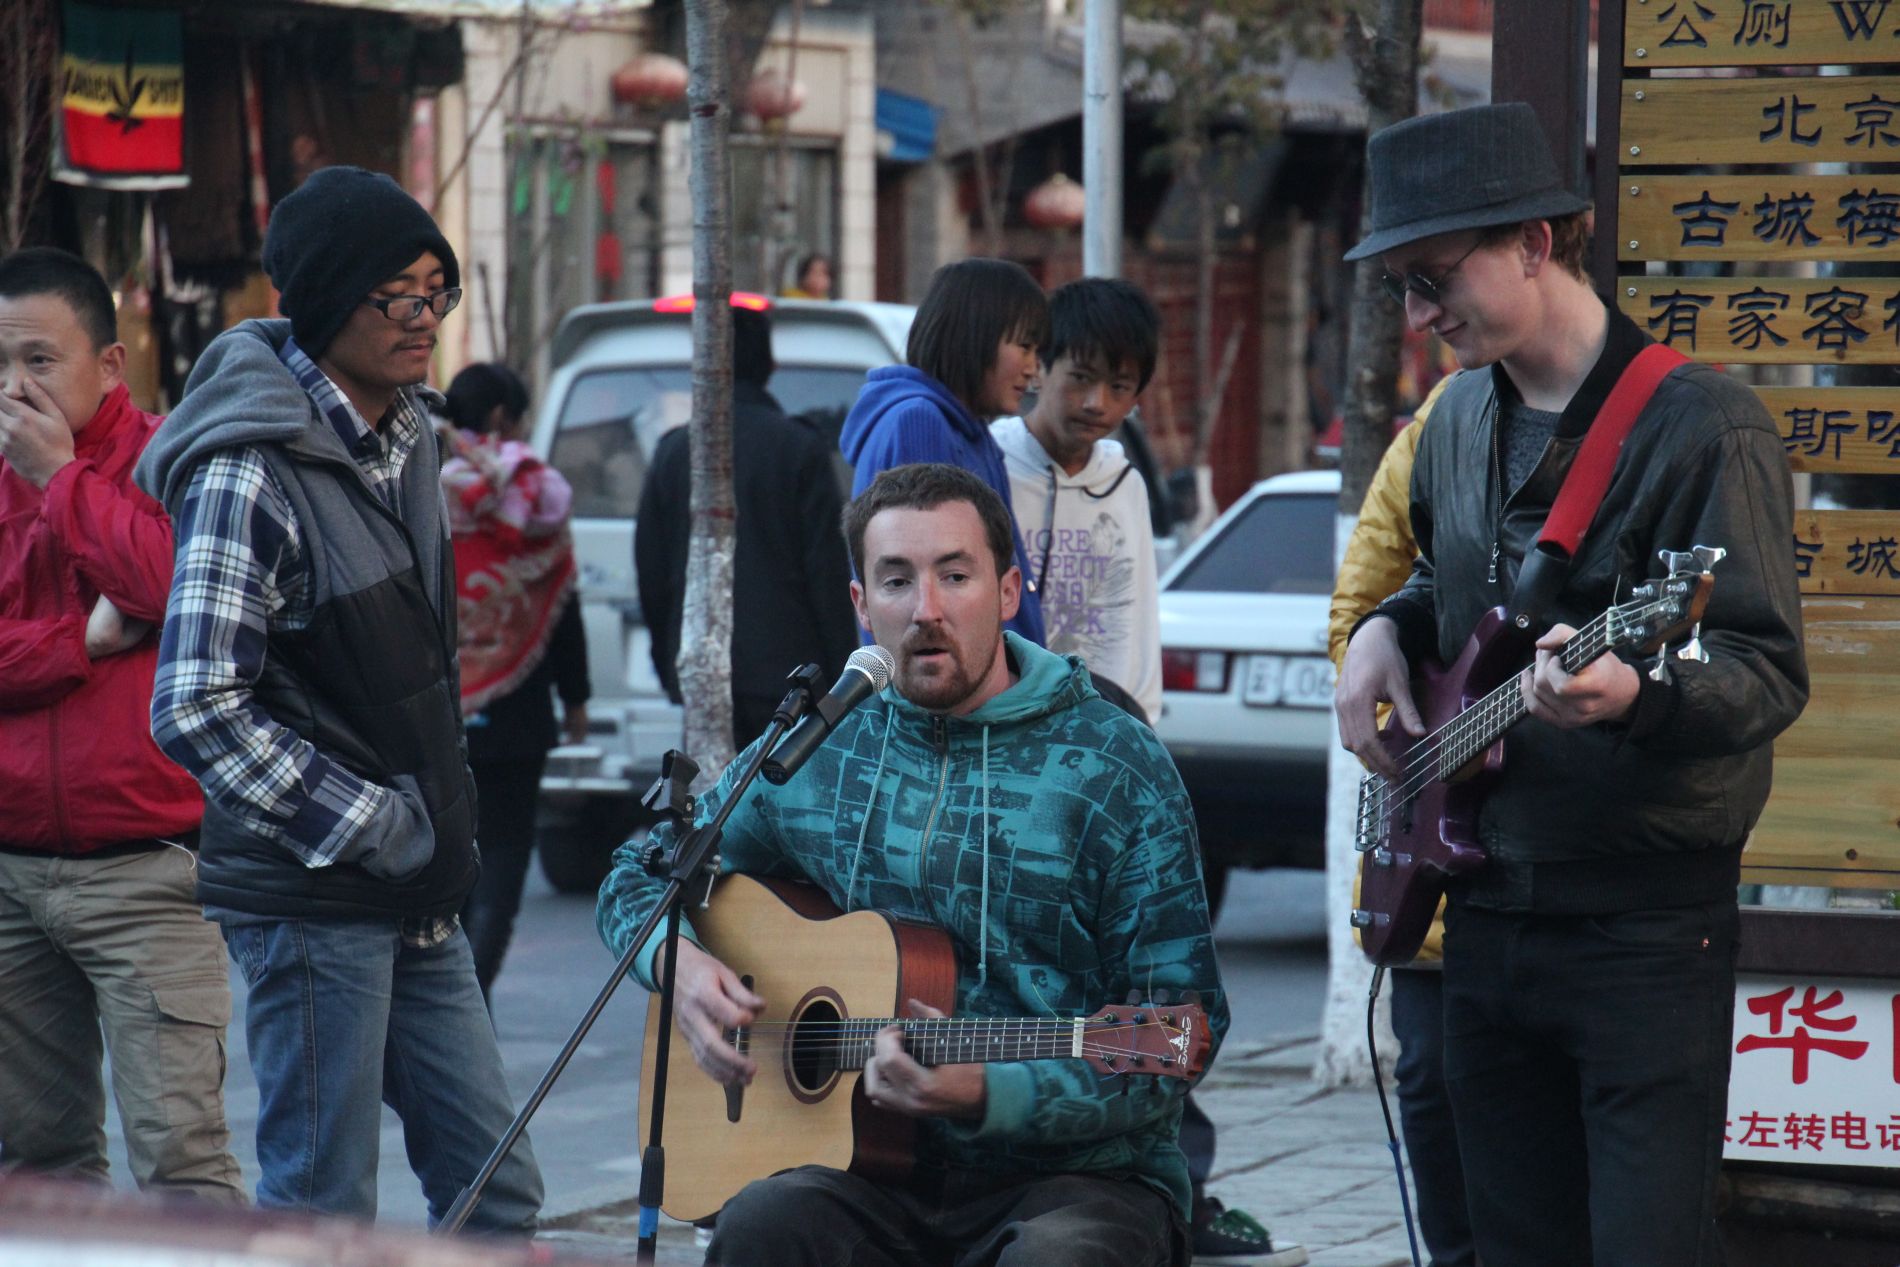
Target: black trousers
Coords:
[[818, 1217], [507, 792], [1425, 1118], [1588, 1060]]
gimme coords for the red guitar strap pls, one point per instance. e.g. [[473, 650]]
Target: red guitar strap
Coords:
[[1589, 477], [1547, 565]]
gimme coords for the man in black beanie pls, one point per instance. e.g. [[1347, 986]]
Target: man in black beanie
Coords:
[[307, 680]]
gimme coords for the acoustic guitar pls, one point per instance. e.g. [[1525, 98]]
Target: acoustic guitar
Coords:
[[830, 982], [1414, 835]]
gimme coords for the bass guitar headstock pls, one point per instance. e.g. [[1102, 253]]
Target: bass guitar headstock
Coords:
[[1662, 611], [1170, 1040]]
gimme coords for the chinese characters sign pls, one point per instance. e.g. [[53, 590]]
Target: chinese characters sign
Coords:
[[1661, 33], [1837, 429], [1779, 217], [1794, 119], [1769, 319], [1816, 1073], [1847, 552]]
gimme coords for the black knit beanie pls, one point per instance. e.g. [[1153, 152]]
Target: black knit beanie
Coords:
[[342, 233]]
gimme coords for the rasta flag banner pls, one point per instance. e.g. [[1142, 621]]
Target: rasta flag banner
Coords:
[[122, 98]]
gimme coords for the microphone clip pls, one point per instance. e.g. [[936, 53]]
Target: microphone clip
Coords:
[[798, 700]]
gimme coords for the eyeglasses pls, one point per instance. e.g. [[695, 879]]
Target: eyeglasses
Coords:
[[1426, 288], [409, 307]]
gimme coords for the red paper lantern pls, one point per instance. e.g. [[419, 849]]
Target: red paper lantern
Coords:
[[772, 96], [651, 79], [1057, 203]]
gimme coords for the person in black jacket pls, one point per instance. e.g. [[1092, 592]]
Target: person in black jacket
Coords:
[[791, 577], [1590, 963]]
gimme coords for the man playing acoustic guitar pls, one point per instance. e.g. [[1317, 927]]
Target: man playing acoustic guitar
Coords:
[[1589, 963], [989, 792]]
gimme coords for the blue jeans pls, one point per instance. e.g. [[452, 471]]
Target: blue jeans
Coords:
[[342, 1017]]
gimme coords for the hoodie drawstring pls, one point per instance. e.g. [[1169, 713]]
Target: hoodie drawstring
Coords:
[[870, 800], [983, 915]]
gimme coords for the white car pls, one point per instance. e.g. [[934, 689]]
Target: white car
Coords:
[[622, 379], [1247, 688]]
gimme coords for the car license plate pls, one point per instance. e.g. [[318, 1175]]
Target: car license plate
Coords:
[[1288, 681]]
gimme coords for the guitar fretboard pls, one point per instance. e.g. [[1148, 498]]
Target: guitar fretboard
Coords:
[[960, 1040]]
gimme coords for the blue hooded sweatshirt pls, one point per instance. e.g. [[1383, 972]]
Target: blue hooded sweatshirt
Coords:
[[1048, 834], [904, 415]]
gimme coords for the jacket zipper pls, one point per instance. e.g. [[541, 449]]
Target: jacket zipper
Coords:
[[1497, 484], [940, 736]]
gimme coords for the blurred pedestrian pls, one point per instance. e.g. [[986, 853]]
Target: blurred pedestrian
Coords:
[[519, 633], [791, 590], [814, 278], [99, 926], [307, 677], [971, 357], [1377, 562]]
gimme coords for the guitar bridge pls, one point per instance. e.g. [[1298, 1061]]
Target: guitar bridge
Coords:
[[742, 1040]]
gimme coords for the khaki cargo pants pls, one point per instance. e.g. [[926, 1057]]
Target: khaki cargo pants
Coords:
[[117, 944]]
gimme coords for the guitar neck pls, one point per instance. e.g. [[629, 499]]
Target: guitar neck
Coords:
[[965, 1040], [1484, 723]]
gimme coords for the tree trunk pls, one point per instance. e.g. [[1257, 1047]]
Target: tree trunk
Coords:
[[27, 48], [705, 655], [1385, 62]]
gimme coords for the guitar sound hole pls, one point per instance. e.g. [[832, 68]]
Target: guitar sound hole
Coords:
[[815, 1038]]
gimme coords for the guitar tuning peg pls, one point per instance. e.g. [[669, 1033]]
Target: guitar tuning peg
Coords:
[[1161, 998], [1675, 561], [1134, 997], [1659, 671], [1692, 649], [1709, 556]]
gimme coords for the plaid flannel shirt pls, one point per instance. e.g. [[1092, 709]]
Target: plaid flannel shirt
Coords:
[[242, 575]]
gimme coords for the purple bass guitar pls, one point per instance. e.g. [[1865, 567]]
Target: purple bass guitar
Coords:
[[1416, 834]]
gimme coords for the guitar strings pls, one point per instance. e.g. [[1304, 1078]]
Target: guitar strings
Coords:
[[1458, 734]]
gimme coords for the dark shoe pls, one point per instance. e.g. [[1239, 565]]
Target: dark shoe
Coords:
[[1235, 1238]]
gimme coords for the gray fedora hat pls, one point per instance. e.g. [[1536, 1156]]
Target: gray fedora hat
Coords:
[[1463, 169]]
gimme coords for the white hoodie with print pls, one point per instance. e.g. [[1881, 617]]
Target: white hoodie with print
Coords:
[[1092, 555]]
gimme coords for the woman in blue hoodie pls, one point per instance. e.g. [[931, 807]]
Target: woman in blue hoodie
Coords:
[[971, 356]]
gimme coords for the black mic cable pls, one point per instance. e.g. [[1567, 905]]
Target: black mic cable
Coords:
[[1391, 1133]]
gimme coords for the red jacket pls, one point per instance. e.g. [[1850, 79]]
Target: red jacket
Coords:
[[78, 768]]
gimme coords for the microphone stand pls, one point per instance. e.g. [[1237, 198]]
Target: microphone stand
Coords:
[[689, 868]]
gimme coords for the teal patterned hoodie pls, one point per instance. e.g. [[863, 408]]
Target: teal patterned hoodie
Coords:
[[1049, 835]]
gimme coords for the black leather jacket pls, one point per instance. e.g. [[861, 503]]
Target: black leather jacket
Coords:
[[1677, 786]]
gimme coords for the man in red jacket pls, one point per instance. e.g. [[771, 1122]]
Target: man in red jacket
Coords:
[[99, 925]]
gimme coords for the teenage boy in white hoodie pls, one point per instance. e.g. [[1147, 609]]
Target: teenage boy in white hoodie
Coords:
[[1081, 505], [1082, 509]]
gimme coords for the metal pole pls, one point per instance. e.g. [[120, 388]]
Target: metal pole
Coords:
[[1102, 139]]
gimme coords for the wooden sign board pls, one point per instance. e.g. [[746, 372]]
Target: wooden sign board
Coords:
[[1772, 217], [1782, 119], [1770, 320], [1837, 430], [1847, 552], [1834, 816], [1659, 33]]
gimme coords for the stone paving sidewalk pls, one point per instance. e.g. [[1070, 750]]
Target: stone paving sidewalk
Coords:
[[1310, 1163]]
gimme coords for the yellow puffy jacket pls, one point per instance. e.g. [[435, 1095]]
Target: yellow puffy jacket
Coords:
[[1378, 559]]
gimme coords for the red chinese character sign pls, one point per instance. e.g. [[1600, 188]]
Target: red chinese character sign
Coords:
[[1816, 1073]]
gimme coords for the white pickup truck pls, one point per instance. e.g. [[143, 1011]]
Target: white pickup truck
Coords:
[[622, 378]]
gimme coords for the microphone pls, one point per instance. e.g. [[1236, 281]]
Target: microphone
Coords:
[[867, 672]]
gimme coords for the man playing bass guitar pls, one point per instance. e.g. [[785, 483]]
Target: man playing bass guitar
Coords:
[[1589, 963], [989, 792]]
